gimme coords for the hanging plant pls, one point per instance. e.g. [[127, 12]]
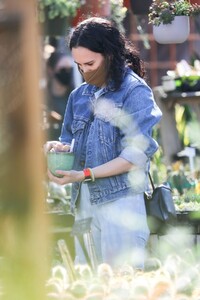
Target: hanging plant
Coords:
[[170, 20], [51, 9], [56, 15]]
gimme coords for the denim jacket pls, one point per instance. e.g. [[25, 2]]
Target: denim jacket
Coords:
[[107, 123]]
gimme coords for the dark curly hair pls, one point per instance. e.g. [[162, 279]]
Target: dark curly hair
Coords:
[[101, 36]]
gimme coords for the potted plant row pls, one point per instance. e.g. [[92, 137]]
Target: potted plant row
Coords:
[[170, 20]]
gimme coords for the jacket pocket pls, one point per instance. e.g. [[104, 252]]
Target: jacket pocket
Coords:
[[79, 131], [77, 126]]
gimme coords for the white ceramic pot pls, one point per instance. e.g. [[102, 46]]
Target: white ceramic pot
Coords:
[[168, 84], [175, 33]]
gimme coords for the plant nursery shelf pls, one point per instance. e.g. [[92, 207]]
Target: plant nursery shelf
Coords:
[[169, 135]]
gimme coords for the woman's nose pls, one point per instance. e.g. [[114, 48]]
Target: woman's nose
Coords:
[[84, 69]]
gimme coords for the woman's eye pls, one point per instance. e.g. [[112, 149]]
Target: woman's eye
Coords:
[[90, 64]]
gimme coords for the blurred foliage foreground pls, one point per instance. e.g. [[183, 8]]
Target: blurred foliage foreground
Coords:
[[172, 269], [168, 274]]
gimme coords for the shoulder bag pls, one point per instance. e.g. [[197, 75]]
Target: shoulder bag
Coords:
[[160, 208]]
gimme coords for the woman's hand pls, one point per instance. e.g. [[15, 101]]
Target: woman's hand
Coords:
[[67, 176]]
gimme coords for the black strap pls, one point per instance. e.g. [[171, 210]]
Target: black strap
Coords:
[[151, 180]]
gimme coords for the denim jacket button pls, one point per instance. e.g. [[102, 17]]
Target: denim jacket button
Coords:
[[82, 163]]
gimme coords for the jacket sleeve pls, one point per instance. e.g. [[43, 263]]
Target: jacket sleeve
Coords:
[[66, 133], [141, 114]]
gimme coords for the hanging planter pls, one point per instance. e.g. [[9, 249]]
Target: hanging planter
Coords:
[[55, 16], [176, 32], [170, 20], [140, 7]]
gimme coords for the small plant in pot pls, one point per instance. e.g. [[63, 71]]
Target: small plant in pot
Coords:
[[168, 17]]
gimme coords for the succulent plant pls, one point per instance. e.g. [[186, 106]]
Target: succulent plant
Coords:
[[164, 12]]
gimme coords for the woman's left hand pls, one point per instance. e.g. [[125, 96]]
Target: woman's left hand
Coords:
[[67, 176]]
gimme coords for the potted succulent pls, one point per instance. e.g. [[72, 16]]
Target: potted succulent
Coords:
[[56, 15], [170, 20]]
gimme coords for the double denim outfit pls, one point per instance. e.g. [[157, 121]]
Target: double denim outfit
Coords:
[[98, 140], [106, 124]]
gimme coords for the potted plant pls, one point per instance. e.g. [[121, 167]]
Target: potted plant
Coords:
[[56, 15], [170, 20]]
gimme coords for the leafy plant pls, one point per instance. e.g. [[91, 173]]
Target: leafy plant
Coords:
[[164, 12], [57, 8]]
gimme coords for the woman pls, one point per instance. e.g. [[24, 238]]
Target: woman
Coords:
[[110, 116]]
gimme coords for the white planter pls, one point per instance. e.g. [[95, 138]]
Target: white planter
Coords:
[[176, 32]]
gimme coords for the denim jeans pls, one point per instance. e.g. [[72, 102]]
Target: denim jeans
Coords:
[[118, 228]]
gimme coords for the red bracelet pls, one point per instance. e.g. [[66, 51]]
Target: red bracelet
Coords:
[[89, 176]]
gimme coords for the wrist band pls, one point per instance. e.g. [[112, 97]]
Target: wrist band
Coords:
[[89, 175], [92, 175]]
